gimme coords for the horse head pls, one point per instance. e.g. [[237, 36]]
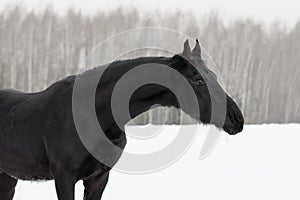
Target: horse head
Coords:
[[215, 105]]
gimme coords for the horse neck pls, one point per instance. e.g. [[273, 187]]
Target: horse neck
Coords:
[[149, 96], [144, 98]]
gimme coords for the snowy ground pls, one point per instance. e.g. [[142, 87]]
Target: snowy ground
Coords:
[[261, 163]]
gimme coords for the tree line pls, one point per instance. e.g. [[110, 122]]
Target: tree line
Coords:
[[259, 65]]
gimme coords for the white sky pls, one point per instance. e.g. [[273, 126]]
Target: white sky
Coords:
[[268, 11]]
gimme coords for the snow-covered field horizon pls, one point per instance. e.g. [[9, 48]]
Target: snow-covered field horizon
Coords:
[[262, 162]]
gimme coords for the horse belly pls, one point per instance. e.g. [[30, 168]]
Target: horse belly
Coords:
[[24, 160], [24, 168]]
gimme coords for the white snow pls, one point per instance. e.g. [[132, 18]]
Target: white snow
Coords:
[[261, 163]]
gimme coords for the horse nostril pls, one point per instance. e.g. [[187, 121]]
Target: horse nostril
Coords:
[[237, 120], [236, 117]]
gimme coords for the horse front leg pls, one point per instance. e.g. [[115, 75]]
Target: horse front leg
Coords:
[[65, 186], [7, 186], [94, 187]]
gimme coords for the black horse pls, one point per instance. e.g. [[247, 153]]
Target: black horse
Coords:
[[38, 136]]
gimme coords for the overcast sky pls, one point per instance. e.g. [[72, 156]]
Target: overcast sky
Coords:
[[268, 11]]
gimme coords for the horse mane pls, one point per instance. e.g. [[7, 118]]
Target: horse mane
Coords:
[[127, 62]]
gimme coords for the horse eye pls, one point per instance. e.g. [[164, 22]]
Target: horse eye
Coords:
[[200, 82]]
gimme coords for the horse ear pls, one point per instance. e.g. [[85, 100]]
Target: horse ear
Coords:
[[186, 48], [197, 48]]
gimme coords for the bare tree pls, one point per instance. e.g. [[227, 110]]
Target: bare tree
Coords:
[[259, 66]]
